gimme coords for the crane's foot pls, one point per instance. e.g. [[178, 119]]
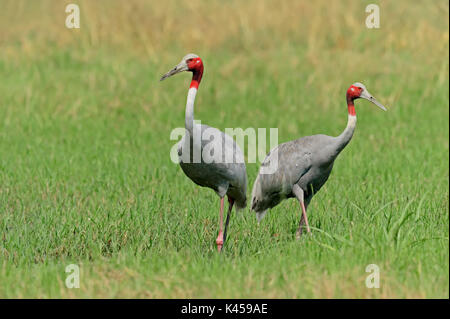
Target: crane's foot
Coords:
[[219, 242]]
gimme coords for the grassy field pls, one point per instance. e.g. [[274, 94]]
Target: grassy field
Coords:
[[85, 173]]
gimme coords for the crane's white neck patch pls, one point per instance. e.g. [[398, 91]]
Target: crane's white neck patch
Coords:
[[351, 120], [191, 96], [189, 116]]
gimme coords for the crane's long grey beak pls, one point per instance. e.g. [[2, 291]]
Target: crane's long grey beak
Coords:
[[366, 95], [177, 69]]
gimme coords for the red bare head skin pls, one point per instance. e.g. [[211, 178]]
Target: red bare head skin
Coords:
[[195, 65], [353, 93]]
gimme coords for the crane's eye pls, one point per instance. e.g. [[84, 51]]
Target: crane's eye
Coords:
[[188, 60]]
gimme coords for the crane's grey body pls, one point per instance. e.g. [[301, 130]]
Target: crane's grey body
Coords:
[[224, 177], [306, 162], [303, 166]]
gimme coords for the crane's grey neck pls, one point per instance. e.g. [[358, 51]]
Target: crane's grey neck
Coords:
[[347, 134], [189, 119]]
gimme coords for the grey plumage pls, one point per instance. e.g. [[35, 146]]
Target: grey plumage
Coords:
[[306, 162], [223, 177]]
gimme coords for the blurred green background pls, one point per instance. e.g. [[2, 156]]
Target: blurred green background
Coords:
[[86, 177]]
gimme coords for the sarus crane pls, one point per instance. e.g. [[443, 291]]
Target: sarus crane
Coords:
[[209, 157], [304, 165]]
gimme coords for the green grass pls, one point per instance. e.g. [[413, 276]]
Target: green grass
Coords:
[[86, 176]]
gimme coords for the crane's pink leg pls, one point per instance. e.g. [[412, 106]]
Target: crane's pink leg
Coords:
[[299, 193], [219, 240], [303, 220]]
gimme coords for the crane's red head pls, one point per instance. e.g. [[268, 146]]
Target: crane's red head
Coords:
[[358, 90], [355, 90], [192, 63]]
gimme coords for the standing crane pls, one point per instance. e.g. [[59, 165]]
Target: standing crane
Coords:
[[304, 165], [224, 171]]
